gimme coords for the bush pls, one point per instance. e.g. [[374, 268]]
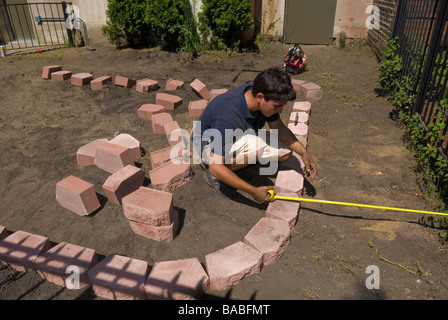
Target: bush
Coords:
[[224, 21], [126, 25]]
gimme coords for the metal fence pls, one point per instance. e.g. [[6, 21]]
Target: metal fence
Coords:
[[31, 25], [421, 27]]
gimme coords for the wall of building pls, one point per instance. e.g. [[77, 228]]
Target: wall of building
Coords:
[[351, 18]]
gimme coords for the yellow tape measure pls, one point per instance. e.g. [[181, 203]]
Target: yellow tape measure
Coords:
[[274, 196]]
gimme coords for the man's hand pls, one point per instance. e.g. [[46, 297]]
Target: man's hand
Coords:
[[261, 194], [310, 167]]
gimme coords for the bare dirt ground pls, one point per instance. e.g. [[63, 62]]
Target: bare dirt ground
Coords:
[[357, 148]]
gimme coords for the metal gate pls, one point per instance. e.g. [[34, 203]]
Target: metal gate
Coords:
[[309, 22], [421, 27], [31, 25]]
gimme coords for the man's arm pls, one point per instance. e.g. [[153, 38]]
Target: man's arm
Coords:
[[220, 170], [288, 138]]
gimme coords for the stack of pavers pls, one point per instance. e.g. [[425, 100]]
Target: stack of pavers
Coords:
[[120, 277]]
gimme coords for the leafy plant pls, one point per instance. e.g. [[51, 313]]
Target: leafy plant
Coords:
[[222, 22], [390, 68]]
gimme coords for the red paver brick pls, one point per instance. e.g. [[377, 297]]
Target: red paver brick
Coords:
[[307, 87], [158, 121], [124, 82], [3, 232], [77, 195], [147, 85], [290, 180], [315, 96], [61, 75], [20, 249], [169, 101], [149, 206], [183, 279], [98, 83], [173, 132], [162, 233], [112, 157], [300, 129], [122, 183], [302, 106], [81, 79], [52, 264], [270, 237], [195, 108], [118, 277], [147, 110], [128, 141], [162, 156], [300, 117], [48, 70], [172, 85], [85, 156], [227, 266], [284, 210], [295, 162], [200, 89], [170, 176], [297, 84], [216, 92]]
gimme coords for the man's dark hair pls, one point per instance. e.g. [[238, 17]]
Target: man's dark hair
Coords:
[[275, 84]]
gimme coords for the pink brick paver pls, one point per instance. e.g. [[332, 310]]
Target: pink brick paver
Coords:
[[122, 183], [227, 266], [297, 84], [77, 195], [124, 82], [301, 106], [147, 110], [289, 181], [52, 264], [300, 129], [147, 85], [300, 117], [216, 92], [284, 210], [173, 132], [3, 232], [195, 108], [81, 79], [112, 157], [200, 89], [149, 206], [310, 86], [48, 70], [171, 176], [172, 85], [158, 121], [165, 155], [183, 279], [85, 156], [270, 237], [169, 101], [314, 96], [118, 277], [98, 83], [61, 75], [20, 249], [128, 141], [162, 233]]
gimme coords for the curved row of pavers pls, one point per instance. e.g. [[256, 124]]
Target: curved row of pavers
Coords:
[[119, 277]]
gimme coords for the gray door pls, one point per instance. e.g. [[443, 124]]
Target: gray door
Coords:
[[309, 21]]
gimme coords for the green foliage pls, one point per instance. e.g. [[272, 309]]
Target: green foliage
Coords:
[[126, 24], [404, 95], [224, 21], [390, 68]]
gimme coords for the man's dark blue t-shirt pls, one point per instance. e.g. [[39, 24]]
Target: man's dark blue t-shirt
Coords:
[[226, 113]]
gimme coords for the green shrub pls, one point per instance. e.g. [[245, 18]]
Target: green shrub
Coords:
[[126, 25], [390, 68], [224, 21]]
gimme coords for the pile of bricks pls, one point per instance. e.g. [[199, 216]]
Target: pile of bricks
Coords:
[[120, 277]]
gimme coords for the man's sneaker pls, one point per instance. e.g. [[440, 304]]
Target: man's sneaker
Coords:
[[220, 188]]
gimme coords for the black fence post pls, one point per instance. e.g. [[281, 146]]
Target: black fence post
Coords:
[[69, 31]]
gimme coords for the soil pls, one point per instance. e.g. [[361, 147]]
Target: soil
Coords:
[[356, 145]]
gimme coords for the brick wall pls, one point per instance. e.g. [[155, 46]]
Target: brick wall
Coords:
[[377, 39]]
